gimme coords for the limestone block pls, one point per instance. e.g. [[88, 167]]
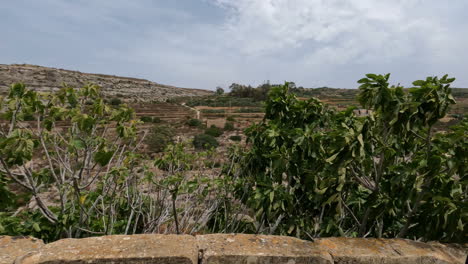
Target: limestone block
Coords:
[[141, 249], [13, 247], [226, 249], [386, 251]]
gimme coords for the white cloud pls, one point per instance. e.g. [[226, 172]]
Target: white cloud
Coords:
[[268, 26], [336, 33]]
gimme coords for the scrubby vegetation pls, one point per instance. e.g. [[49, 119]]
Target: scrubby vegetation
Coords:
[[384, 175], [223, 101], [193, 122], [205, 141], [213, 111], [159, 138], [146, 119], [308, 170], [235, 138], [150, 119], [115, 101], [214, 131], [229, 126]]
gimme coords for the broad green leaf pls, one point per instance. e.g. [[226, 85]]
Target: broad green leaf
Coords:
[[103, 157]]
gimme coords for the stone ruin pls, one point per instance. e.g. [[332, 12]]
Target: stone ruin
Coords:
[[226, 248]]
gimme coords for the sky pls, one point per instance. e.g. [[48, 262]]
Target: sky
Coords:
[[209, 43]]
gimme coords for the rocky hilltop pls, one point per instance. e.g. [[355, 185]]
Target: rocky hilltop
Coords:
[[132, 89]]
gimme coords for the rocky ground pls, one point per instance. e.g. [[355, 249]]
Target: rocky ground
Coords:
[[130, 89]]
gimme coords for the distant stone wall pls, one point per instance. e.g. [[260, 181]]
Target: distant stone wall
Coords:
[[226, 248], [49, 79]]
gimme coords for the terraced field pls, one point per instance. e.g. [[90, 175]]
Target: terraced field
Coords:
[[164, 111]]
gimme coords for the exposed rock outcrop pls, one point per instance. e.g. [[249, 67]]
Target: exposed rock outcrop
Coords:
[[48, 79], [227, 248]]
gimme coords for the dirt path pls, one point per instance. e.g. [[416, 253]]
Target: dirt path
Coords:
[[194, 109]]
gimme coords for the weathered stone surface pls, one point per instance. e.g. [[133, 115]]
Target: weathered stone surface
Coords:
[[12, 247], [49, 79], [387, 251], [170, 249], [225, 248], [221, 248], [458, 251]]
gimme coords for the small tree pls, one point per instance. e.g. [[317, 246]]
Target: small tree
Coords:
[[68, 149], [214, 131], [235, 138], [194, 122], [115, 101], [159, 138], [219, 91], [313, 171], [229, 126], [146, 119], [204, 141]]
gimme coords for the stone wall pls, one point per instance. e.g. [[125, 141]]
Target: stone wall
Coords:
[[226, 248], [48, 79]]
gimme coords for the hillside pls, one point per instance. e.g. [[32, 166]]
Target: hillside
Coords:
[[342, 98], [130, 89]]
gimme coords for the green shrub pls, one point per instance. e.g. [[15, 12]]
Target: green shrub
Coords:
[[219, 91], [230, 119], [249, 110], [29, 117], [5, 116], [194, 122], [213, 111], [229, 101], [204, 141], [214, 131], [397, 179], [159, 137], [229, 126], [115, 101], [170, 101], [235, 138], [146, 119], [156, 120]]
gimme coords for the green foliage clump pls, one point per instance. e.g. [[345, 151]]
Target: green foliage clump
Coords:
[[222, 101], [259, 93], [249, 110], [194, 122], [159, 138], [214, 131], [314, 172], [213, 111], [230, 119], [205, 141], [146, 119], [235, 138], [229, 126], [115, 101], [219, 91]]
